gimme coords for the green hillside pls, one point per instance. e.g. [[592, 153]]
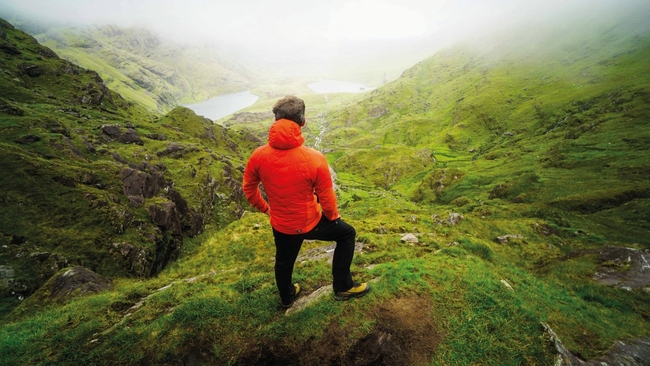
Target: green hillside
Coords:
[[147, 69], [94, 180], [518, 162]]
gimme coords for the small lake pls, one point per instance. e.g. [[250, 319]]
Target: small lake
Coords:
[[223, 105], [334, 86]]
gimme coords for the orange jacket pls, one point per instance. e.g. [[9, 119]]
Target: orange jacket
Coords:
[[296, 178]]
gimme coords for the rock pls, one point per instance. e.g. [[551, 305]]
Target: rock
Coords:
[[142, 184], [507, 134], [32, 70], [454, 218], [95, 92], [130, 136], [56, 127], [7, 108], [41, 256], [48, 53], [9, 49], [111, 132], [623, 267], [172, 148], [117, 158], [326, 251], [304, 301], [156, 136], [67, 284], [192, 222], [635, 352], [165, 216], [27, 139], [507, 285], [409, 238], [506, 238], [6, 276], [139, 259], [381, 230], [377, 111]]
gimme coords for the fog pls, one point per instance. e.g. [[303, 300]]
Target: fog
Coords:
[[296, 34]]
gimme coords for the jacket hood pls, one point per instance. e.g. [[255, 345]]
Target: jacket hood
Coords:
[[285, 134]]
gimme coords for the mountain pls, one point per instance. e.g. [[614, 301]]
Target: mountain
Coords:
[[94, 180], [518, 164], [553, 123], [147, 69]]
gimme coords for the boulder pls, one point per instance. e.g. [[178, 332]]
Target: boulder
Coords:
[[66, 284], [111, 132], [32, 70], [454, 218], [130, 136], [409, 238], [506, 238]]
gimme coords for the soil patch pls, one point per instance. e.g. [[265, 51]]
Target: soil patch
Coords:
[[404, 334]]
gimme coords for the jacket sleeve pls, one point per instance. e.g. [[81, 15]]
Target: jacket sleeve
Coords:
[[325, 190], [251, 184]]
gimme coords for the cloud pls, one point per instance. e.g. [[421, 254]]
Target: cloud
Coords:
[[367, 19]]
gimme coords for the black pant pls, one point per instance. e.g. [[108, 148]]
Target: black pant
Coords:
[[287, 248]]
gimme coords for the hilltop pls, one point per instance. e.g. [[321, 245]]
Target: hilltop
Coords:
[[518, 166]]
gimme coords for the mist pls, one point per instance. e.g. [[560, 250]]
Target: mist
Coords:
[[326, 38]]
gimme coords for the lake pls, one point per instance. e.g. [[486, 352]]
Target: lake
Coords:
[[223, 105], [334, 86]]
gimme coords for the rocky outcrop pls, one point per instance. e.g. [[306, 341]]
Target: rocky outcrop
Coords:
[[95, 92], [166, 217], [139, 259], [626, 268], [63, 286], [139, 184], [114, 133], [635, 352], [191, 221], [168, 247]]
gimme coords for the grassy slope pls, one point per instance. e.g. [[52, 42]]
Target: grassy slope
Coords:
[[561, 186], [145, 69], [62, 191]]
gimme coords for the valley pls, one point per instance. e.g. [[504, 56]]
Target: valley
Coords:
[[520, 167]]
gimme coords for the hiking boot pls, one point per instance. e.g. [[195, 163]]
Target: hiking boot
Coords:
[[290, 303], [357, 290]]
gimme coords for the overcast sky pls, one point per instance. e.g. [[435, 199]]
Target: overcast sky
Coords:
[[294, 21], [306, 25]]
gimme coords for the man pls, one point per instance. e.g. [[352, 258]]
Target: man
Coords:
[[302, 203]]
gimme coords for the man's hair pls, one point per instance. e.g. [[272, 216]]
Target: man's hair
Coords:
[[290, 107]]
